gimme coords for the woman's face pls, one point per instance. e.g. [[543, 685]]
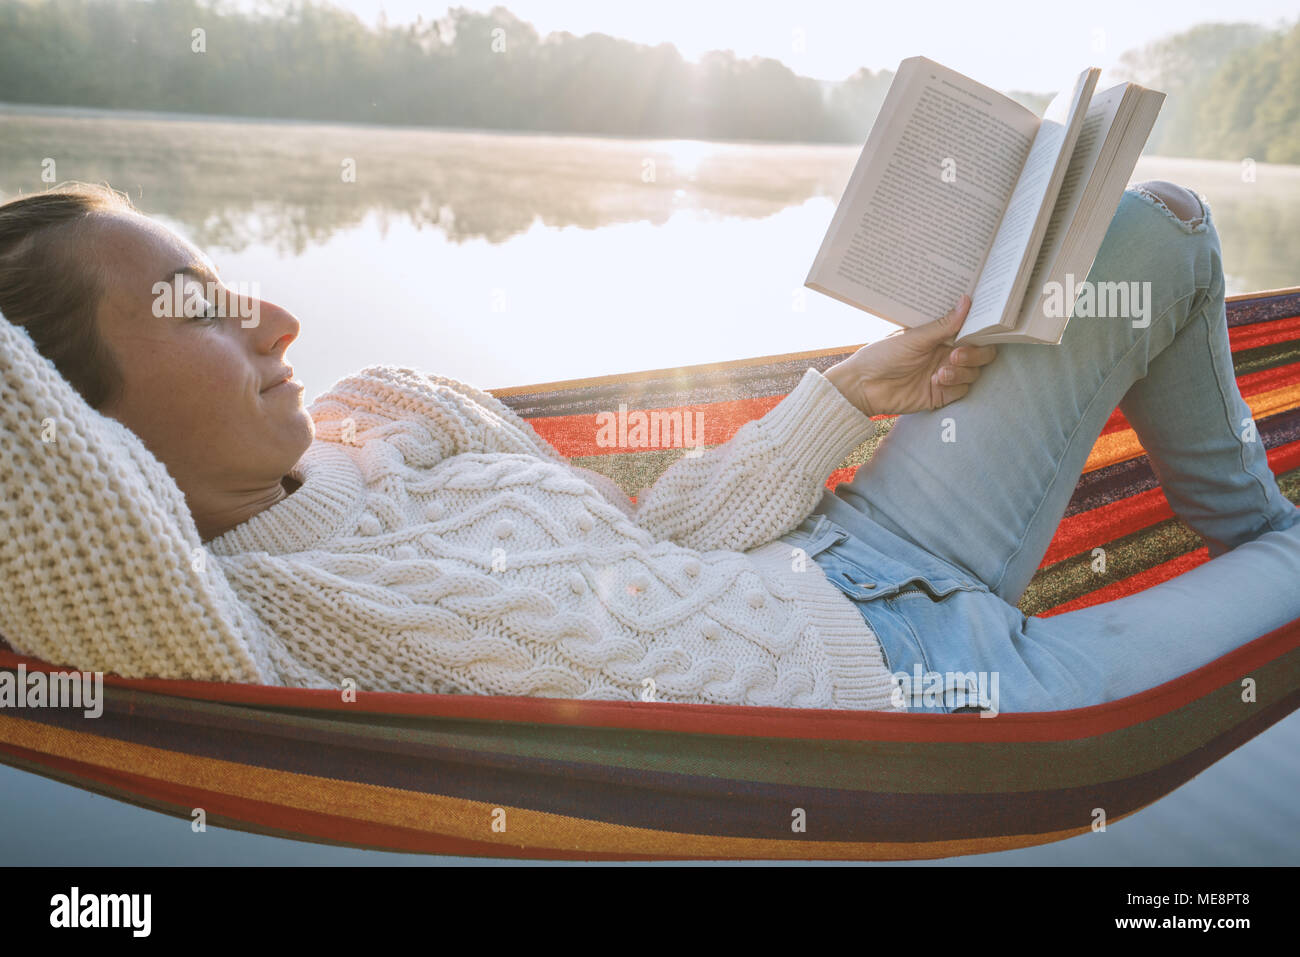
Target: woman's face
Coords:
[[196, 387]]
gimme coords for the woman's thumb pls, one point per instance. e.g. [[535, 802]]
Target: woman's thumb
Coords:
[[951, 321]]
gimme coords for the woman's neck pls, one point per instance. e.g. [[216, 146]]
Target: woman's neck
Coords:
[[212, 522]]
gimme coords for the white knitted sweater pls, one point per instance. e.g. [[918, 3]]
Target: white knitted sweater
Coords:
[[438, 545]]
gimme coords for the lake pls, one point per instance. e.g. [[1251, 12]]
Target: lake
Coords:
[[503, 259]]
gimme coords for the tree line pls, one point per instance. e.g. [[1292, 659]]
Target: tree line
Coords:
[[1234, 89]]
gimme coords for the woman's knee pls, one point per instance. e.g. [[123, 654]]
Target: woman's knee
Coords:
[[1179, 200]]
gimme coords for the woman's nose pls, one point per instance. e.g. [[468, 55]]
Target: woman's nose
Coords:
[[272, 324]]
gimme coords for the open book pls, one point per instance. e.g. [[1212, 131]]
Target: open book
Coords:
[[961, 189]]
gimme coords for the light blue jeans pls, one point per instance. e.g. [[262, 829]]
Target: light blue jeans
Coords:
[[939, 533]]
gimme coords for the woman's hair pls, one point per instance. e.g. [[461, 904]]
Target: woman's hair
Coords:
[[50, 285]]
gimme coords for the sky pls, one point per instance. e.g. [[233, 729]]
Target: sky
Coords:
[[1007, 45]]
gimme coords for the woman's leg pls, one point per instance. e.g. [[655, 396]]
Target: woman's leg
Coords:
[[1101, 653], [1122, 647], [984, 482]]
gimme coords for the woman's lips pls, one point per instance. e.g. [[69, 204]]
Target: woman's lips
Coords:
[[282, 386], [287, 377]]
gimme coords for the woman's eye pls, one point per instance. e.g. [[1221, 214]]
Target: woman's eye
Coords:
[[207, 313]]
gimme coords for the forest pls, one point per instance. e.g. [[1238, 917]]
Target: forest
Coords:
[[1234, 88]]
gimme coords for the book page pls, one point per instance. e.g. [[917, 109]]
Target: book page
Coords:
[[1092, 136], [1121, 147], [1006, 263], [924, 202]]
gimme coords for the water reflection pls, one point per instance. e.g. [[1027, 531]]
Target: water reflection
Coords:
[[233, 184], [505, 259]]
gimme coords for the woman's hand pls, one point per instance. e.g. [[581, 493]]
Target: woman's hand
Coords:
[[912, 370]]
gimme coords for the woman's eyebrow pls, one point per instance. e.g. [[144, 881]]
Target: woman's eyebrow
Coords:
[[195, 271]]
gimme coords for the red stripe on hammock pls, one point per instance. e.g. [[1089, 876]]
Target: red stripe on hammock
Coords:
[[1105, 523], [574, 436], [1140, 581], [1082, 532], [1248, 385], [1266, 380], [1255, 334]]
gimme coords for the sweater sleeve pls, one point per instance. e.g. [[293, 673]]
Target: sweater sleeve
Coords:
[[458, 417], [741, 494], [764, 481], [100, 559]]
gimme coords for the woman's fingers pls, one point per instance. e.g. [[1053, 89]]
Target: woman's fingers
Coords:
[[950, 394], [972, 355], [961, 366], [955, 375]]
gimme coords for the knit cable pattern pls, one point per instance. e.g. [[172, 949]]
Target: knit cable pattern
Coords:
[[436, 545], [100, 559]]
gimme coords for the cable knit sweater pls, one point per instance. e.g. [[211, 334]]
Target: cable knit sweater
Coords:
[[437, 544]]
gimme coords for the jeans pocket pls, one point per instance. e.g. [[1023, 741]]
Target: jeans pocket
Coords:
[[815, 534], [867, 577], [882, 566], [900, 632]]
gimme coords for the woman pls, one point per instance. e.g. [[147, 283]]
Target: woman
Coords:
[[410, 533]]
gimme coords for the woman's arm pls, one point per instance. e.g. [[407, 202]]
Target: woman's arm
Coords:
[[770, 475], [100, 560], [763, 481], [458, 417], [745, 492]]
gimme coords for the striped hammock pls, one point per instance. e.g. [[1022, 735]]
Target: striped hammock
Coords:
[[618, 780]]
